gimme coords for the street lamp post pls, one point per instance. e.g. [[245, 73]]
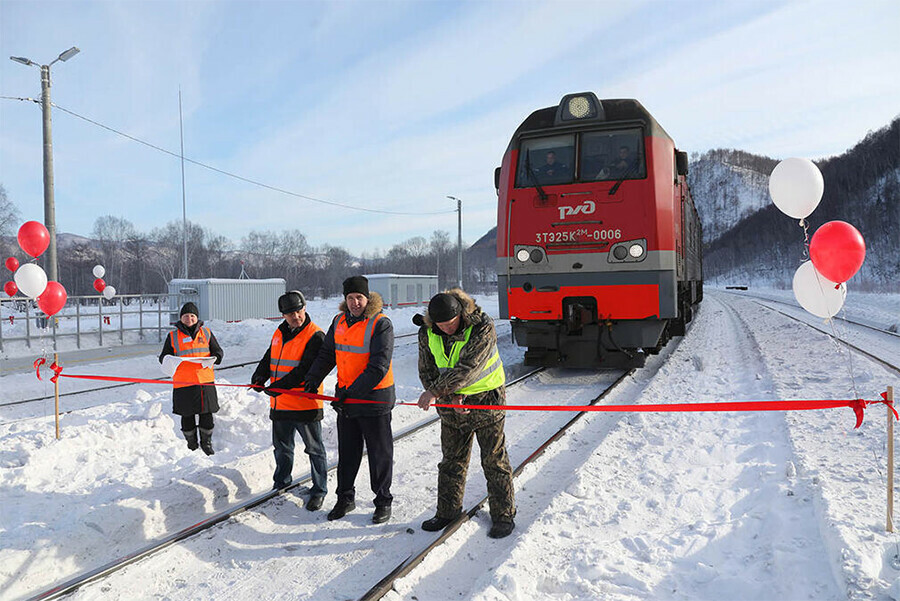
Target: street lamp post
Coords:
[[459, 271], [49, 206]]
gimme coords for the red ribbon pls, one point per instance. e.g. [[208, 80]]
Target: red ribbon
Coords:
[[858, 405], [37, 366]]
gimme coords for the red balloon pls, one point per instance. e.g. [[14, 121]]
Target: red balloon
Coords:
[[10, 288], [837, 251], [52, 298], [12, 264], [33, 238], [99, 285]]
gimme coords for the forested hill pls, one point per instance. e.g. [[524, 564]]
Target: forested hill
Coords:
[[748, 240]]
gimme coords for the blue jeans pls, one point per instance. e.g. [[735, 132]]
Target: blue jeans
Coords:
[[283, 441]]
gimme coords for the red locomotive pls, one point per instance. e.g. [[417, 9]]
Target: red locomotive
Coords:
[[598, 240]]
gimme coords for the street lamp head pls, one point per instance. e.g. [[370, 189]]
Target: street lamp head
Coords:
[[23, 60], [68, 54]]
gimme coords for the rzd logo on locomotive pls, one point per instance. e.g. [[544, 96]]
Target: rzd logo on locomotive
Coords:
[[585, 208]]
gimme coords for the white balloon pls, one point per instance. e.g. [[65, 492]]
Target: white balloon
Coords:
[[796, 187], [31, 280], [99, 271], [109, 292], [819, 296]]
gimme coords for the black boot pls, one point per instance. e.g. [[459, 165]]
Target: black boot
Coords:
[[502, 528], [382, 514], [341, 508], [191, 437], [437, 523], [206, 441]]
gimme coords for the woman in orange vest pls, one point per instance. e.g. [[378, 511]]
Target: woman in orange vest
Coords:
[[192, 397], [294, 347], [360, 342]]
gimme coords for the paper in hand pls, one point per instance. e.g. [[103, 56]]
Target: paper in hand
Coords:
[[169, 364], [204, 361]]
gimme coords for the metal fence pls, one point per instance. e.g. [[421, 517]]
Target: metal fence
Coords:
[[86, 318]]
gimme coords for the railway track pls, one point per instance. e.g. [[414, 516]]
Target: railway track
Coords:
[[868, 354], [407, 565], [760, 299], [93, 575]]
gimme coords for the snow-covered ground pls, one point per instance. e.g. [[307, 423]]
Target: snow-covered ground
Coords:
[[626, 506]]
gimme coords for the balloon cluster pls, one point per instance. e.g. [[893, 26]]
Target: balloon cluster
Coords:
[[100, 286], [837, 249], [29, 278]]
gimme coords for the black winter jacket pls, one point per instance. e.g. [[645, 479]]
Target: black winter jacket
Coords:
[[202, 398], [295, 377], [381, 351]]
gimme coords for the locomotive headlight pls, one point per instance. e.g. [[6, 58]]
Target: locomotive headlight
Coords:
[[619, 252], [523, 255], [636, 250], [579, 107], [537, 255]]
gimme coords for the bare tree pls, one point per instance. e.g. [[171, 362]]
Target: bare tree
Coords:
[[9, 219], [112, 234]]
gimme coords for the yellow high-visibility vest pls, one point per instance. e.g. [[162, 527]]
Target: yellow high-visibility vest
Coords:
[[492, 375]]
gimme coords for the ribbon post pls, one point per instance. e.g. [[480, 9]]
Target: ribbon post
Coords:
[[888, 397], [55, 379]]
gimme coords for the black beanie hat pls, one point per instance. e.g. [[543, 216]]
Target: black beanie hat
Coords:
[[358, 284], [189, 308], [291, 301], [443, 307]]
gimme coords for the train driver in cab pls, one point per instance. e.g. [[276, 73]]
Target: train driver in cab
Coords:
[[624, 164], [553, 171]]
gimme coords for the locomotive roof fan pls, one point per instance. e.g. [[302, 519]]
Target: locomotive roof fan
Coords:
[[579, 107]]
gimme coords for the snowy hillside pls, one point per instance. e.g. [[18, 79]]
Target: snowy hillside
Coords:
[[749, 241], [626, 506], [728, 186]]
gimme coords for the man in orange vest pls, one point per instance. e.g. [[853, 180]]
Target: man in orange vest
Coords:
[[360, 342], [294, 347], [193, 397]]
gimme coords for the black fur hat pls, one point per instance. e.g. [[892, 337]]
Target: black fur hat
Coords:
[[358, 284]]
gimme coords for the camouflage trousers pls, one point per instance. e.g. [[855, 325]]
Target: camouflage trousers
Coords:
[[456, 447]]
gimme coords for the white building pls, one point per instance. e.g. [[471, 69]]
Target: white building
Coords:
[[225, 299], [403, 290]]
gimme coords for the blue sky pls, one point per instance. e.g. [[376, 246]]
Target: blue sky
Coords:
[[395, 105]]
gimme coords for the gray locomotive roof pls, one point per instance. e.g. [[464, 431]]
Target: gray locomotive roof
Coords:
[[615, 110]]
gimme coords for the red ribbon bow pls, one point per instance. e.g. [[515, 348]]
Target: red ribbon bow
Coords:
[[55, 367]]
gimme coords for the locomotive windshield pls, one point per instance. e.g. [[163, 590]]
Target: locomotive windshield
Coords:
[[546, 161], [608, 155]]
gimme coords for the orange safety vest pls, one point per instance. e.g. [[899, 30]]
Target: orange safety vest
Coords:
[[282, 359], [185, 346], [351, 350]]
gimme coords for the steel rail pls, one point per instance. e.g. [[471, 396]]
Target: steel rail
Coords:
[[844, 342], [757, 300], [74, 583], [386, 584]]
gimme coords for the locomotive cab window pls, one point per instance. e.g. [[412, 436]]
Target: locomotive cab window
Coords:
[[612, 155], [546, 161]]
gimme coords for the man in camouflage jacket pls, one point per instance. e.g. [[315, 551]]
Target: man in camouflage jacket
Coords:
[[459, 364]]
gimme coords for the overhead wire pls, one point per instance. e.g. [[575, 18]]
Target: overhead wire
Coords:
[[234, 175]]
